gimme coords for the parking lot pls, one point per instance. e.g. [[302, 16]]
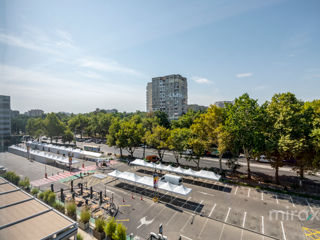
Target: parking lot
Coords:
[[213, 210]]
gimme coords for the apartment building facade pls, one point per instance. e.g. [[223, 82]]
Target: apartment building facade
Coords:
[[168, 94], [5, 121]]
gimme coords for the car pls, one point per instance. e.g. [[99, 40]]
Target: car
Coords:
[[263, 159], [152, 158]]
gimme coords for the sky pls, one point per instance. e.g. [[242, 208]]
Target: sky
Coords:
[[76, 56]]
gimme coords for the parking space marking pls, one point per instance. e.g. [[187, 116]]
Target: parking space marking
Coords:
[[185, 237], [182, 229], [214, 206], [244, 219], [198, 206], [222, 231], [308, 204], [284, 234], [262, 196], [236, 190], [292, 202], [262, 224], [227, 214], [204, 193], [249, 192], [176, 212]]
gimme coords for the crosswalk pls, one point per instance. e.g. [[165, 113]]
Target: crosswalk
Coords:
[[57, 177]]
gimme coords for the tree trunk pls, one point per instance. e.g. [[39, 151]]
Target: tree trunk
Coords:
[[198, 164], [120, 151], [301, 172], [248, 162], [277, 175], [144, 151], [249, 171], [220, 163]]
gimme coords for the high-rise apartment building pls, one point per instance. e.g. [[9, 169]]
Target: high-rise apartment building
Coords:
[[168, 94], [5, 121]]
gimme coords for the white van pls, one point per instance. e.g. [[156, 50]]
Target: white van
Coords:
[[172, 179]]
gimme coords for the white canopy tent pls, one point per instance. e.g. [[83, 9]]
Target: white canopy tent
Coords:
[[178, 170], [41, 156], [76, 152], [148, 181]]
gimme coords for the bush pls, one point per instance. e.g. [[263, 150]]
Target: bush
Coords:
[[25, 183], [120, 233], [71, 210], [46, 195], [110, 229], [79, 236], [85, 215], [99, 225], [41, 195], [34, 191], [59, 207], [51, 199], [12, 177]]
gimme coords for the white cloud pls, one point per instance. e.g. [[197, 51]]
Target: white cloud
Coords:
[[90, 74], [241, 75], [107, 65], [34, 39], [38, 89], [201, 80]]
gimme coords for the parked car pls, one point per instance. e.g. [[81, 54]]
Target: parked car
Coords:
[[263, 159], [152, 158]]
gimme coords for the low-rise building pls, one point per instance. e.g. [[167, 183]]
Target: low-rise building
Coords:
[[196, 107]]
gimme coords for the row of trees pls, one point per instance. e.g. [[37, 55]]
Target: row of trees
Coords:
[[51, 126], [281, 129]]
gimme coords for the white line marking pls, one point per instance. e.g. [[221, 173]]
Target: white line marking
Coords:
[[221, 231], [244, 219], [204, 193], [284, 235], [182, 229], [262, 196], [262, 225], [176, 212], [241, 234], [212, 209], [204, 225], [292, 202], [198, 206], [185, 237], [309, 205], [277, 199], [227, 214], [236, 190], [249, 192]]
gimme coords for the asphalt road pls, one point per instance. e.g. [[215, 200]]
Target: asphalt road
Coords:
[[264, 168]]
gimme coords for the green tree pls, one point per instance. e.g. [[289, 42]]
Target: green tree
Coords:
[[243, 122], [282, 129], [162, 118], [53, 126], [210, 126], [78, 124], [67, 136], [35, 127], [130, 134], [114, 139], [186, 120], [158, 140], [178, 142]]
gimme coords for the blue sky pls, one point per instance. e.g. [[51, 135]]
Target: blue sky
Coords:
[[77, 55]]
